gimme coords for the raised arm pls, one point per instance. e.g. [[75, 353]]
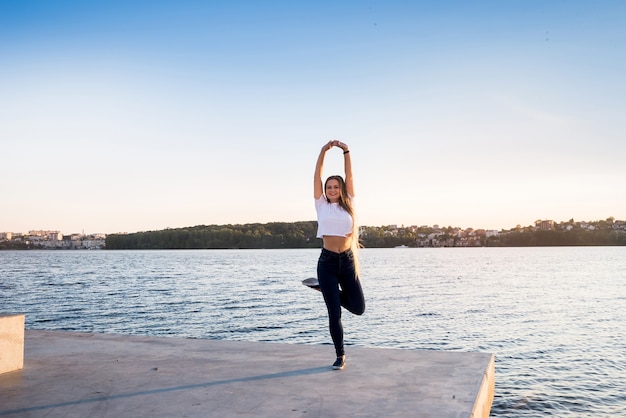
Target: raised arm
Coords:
[[318, 187], [347, 163]]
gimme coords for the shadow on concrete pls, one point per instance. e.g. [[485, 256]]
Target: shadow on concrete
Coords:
[[301, 372]]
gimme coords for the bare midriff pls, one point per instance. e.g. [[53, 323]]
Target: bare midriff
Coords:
[[337, 244]]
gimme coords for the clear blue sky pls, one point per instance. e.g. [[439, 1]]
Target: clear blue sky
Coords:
[[142, 115]]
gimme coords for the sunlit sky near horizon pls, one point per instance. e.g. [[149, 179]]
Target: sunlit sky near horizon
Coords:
[[134, 115]]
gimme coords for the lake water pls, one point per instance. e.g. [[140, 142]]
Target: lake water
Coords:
[[555, 317]]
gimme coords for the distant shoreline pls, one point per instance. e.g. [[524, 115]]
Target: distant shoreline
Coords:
[[277, 235], [303, 235]]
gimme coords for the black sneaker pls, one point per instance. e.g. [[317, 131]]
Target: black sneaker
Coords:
[[339, 363]]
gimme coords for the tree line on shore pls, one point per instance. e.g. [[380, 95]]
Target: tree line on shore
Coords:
[[303, 235], [246, 236]]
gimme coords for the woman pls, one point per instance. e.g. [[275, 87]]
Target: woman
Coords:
[[337, 267]]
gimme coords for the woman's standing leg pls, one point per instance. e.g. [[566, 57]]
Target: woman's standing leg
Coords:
[[328, 276]]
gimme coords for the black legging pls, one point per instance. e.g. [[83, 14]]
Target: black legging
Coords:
[[340, 286]]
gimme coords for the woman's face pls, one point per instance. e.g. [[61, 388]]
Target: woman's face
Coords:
[[333, 190]]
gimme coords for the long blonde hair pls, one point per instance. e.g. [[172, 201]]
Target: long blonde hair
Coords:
[[345, 201]]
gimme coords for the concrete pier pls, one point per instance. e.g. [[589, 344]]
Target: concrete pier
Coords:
[[101, 375]]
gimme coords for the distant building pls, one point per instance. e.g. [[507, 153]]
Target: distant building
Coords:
[[546, 225], [55, 236]]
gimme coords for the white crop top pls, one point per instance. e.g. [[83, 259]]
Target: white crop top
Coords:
[[332, 219]]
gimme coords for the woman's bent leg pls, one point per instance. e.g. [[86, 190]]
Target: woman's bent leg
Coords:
[[352, 296], [351, 291]]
